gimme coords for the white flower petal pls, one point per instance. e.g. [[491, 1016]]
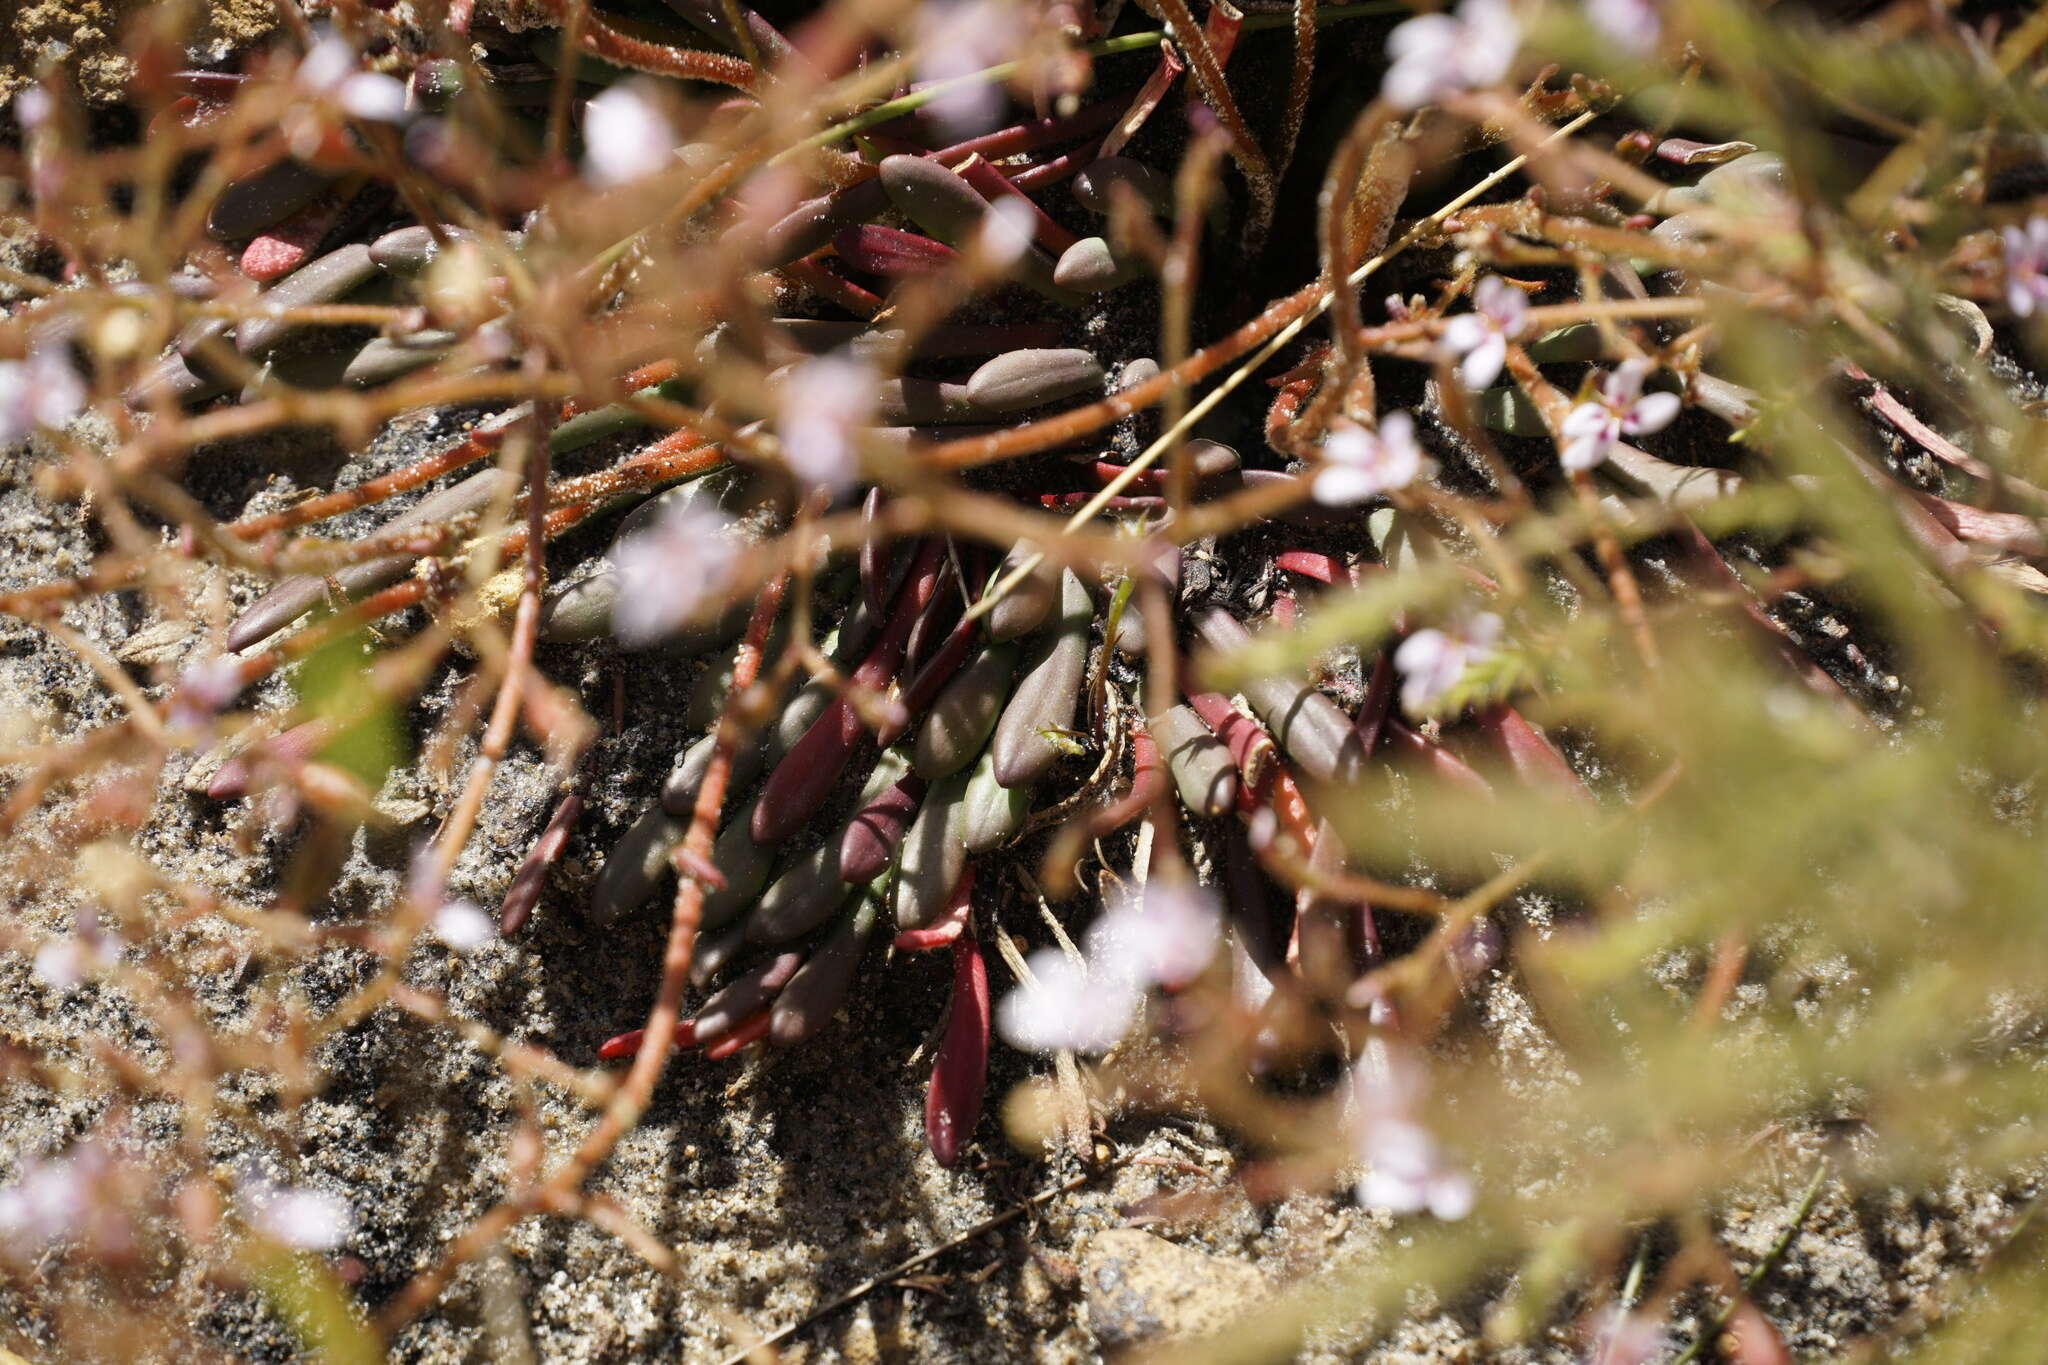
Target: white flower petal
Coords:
[[1342, 485], [1065, 1007], [1482, 364], [369, 95], [626, 135], [463, 926], [306, 1220], [1652, 412]]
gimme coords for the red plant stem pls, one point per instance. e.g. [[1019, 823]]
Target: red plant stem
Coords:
[[1249, 744], [648, 375], [1308, 563], [479, 444], [991, 184], [1058, 169], [1284, 610], [1146, 100], [1148, 780], [892, 252], [523, 893], [1029, 137], [1440, 760], [950, 922], [750, 1029], [952, 1105], [628, 1043], [677, 455], [807, 271], [811, 768], [600, 39], [1528, 750], [1378, 704], [925, 684]]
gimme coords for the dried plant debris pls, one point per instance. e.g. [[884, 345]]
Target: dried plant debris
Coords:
[[1036, 678]]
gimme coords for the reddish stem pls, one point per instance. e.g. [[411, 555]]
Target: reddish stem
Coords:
[[952, 1105], [749, 1029], [950, 922], [810, 770]]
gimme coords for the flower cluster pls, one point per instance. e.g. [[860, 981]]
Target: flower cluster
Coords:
[[1480, 338], [1163, 936], [1431, 661], [1618, 408], [1359, 464], [1440, 55]]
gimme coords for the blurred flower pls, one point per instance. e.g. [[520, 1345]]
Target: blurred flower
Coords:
[[332, 69], [1436, 55], [1634, 26], [82, 1196], [1406, 1171], [203, 690], [1626, 1338], [293, 1216], [61, 963], [1065, 1005], [1499, 312], [1432, 661], [953, 41], [42, 390], [1005, 232], [1358, 464], [823, 406], [462, 925], [626, 134], [1620, 409], [669, 570], [33, 107], [1164, 935], [2026, 266]]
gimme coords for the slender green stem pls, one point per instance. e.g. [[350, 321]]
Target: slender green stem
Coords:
[[1762, 1268]]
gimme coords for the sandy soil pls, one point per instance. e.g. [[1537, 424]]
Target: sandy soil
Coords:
[[783, 1180]]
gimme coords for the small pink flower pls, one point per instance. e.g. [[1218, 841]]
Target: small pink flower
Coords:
[[331, 69], [1634, 26], [823, 406], [1621, 408], [1164, 936], [669, 570], [204, 690], [1067, 1007], [2026, 267], [1431, 661], [1358, 464], [1438, 55], [626, 135], [1406, 1171], [42, 390], [1481, 337]]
